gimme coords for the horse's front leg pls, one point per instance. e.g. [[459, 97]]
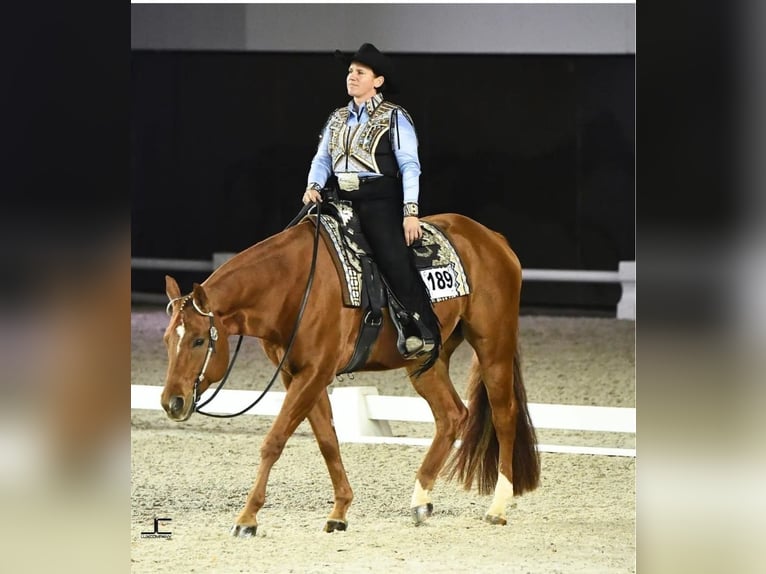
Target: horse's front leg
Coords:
[[320, 418], [300, 398]]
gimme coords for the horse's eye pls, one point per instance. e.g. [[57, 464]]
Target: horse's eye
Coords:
[[198, 342]]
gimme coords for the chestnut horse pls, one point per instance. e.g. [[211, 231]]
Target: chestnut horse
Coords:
[[258, 293]]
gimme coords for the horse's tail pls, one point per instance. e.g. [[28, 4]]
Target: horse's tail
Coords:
[[526, 459], [476, 459]]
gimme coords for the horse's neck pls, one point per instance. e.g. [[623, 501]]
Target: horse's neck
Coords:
[[258, 288]]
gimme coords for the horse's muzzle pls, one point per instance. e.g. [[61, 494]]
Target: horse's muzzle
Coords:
[[176, 405], [175, 408]]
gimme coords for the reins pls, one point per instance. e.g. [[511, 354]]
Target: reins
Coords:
[[304, 210]]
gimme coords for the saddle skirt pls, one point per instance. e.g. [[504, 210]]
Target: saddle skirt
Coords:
[[436, 259]]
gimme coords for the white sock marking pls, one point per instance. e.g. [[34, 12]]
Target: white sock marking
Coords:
[[420, 496], [503, 494]]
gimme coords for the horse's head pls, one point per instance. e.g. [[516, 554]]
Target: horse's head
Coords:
[[198, 350]]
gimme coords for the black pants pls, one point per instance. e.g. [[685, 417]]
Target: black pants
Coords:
[[378, 205]]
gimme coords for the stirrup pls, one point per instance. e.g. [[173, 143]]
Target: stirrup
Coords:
[[409, 345], [415, 347]]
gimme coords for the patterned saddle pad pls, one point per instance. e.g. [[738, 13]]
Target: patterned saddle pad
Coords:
[[435, 257]]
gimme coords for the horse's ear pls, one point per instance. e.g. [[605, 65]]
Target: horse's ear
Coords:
[[200, 297], [171, 288]]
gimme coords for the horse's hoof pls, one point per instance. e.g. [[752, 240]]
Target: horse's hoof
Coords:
[[421, 513], [333, 525], [241, 531], [492, 519]]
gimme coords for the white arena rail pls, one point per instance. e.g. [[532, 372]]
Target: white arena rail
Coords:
[[360, 415], [625, 275]]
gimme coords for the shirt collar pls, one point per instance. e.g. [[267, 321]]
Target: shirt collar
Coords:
[[369, 105]]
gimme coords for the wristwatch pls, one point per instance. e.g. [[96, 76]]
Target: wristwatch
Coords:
[[315, 186], [410, 209]]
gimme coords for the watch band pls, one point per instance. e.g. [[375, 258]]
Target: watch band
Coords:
[[410, 209], [315, 186]]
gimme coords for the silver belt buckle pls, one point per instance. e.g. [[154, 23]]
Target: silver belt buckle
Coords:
[[348, 181]]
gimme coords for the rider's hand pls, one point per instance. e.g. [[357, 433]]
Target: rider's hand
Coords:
[[412, 230], [311, 195]]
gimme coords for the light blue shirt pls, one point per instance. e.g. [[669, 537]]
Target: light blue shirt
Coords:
[[405, 144]]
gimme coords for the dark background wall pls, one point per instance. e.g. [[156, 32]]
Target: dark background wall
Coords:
[[538, 146]]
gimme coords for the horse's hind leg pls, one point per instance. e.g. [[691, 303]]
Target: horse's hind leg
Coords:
[[497, 373], [449, 413], [320, 419]]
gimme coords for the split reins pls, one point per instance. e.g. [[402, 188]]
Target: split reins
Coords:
[[214, 333]]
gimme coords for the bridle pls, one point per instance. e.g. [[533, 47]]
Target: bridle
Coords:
[[213, 332], [212, 338]]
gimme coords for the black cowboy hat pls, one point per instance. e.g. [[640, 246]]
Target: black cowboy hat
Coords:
[[369, 55]]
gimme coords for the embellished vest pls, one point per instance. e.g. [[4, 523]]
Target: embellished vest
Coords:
[[366, 146]]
